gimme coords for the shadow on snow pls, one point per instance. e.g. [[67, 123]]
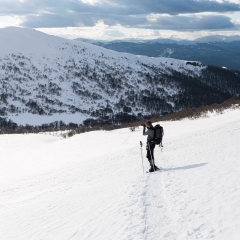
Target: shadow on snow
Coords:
[[185, 167]]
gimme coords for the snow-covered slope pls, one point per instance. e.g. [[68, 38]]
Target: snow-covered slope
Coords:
[[91, 186], [212, 50], [47, 75]]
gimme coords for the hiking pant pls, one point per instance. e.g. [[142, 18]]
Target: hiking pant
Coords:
[[150, 153]]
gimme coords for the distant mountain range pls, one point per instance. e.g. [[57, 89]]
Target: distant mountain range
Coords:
[[222, 51], [52, 78]]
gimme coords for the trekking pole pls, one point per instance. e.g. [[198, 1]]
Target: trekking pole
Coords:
[[142, 155], [151, 155]]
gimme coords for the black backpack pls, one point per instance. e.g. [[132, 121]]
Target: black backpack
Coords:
[[158, 135]]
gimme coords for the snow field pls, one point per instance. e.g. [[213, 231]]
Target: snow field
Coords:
[[91, 186]]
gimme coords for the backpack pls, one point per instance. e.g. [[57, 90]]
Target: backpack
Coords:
[[158, 135]]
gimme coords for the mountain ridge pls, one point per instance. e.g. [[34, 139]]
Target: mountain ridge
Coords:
[[221, 51], [206, 39], [43, 75]]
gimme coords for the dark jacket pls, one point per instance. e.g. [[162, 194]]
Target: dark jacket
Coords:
[[149, 133]]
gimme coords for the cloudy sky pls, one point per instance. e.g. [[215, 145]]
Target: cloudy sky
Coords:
[[104, 19]]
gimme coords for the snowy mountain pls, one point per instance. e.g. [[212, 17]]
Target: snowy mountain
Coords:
[[218, 38], [214, 50], [207, 39], [55, 189], [59, 79]]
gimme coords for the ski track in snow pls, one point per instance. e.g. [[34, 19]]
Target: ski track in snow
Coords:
[[91, 186]]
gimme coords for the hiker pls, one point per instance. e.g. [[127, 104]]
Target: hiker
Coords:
[[150, 144]]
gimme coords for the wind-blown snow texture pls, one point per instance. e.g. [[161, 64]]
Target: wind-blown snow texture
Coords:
[[51, 76], [91, 186]]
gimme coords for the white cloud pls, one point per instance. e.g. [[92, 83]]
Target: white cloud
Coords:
[[122, 18], [120, 32], [154, 17], [91, 2], [101, 24], [6, 21]]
